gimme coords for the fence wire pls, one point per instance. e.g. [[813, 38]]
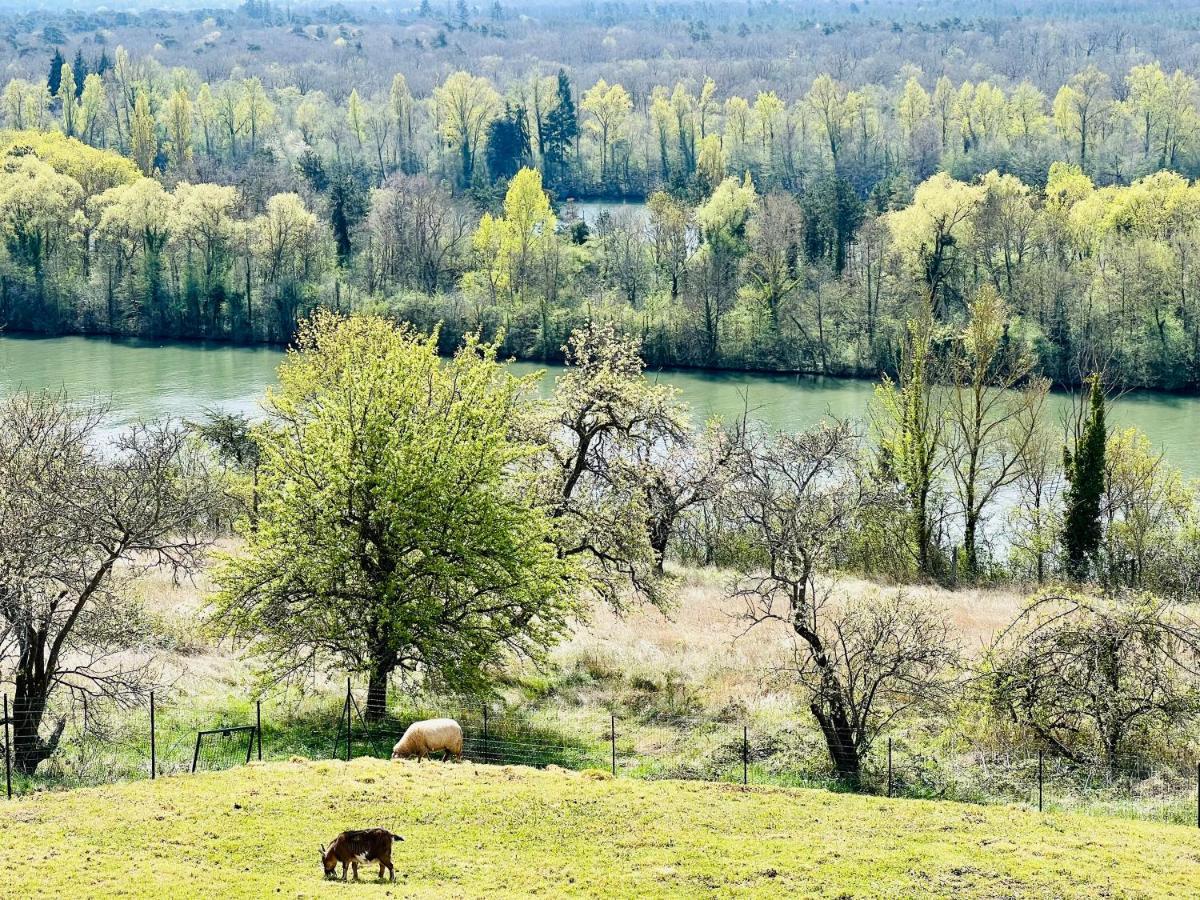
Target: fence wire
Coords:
[[98, 743]]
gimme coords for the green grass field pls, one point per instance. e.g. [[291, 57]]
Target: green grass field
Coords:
[[498, 831]]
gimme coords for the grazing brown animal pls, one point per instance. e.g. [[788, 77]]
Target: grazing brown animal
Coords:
[[353, 847]]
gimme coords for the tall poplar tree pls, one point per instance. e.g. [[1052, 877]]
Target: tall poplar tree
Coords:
[[1085, 472]]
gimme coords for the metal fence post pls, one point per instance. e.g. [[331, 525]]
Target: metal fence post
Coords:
[[7, 751], [613, 735], [153, 744], [1040, 779], [485, 733], [745, 754], [889, 785], [258, 726], [1198, 795], [349, 717]]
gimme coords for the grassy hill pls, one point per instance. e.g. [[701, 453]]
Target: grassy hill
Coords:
[[477, 830]]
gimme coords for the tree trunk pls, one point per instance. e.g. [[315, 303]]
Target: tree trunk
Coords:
[[377, 685], [659, 529], [839, 739], [29, 708], [970, 538]]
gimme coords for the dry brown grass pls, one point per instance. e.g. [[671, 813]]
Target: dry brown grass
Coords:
[[704, 638], [702, 642]]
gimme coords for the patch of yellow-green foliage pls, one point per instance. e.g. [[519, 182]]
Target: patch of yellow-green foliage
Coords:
[[95, 170], [475, 831]]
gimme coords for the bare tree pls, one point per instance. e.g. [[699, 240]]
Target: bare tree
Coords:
[[864, 661], [994, 407], [775, 261], [419, 234], [603, 423], [77, 522], [1086, 673], [681, 474]]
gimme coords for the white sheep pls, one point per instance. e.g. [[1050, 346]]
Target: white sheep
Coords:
[[426, 737]]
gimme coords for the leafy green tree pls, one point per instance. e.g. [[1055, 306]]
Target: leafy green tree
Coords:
[[67, 100], [397, 529], [1082, 109], [608, 107], [910, 425], [1084, 468], [517, 253], [466, 104], [144, 134], [723, 221]]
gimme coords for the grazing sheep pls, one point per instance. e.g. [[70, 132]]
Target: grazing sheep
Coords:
[[353, 847], [429, 736]]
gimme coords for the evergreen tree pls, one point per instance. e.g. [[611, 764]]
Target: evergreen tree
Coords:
[[349, 186], [1085, 473], [508, 142], [834, 215], [562, 128], [55, 77], [80, 69]]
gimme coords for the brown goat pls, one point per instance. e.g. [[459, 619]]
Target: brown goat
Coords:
[[353, 847]]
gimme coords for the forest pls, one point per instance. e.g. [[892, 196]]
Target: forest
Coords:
[[165, 176]]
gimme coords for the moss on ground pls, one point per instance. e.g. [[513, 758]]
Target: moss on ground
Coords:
[[496, 831]]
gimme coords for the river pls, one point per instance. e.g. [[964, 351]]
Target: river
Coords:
[[153, 379]]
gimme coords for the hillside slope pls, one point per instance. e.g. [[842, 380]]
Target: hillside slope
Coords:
[[485, 831]]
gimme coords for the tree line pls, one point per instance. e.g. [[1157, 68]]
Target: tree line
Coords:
[[746, 276], [604, 139]]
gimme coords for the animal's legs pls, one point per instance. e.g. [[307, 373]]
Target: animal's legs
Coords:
[[355, 866], [344, 866]]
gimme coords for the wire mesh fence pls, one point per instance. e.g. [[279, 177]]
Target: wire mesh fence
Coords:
[[83, 743]]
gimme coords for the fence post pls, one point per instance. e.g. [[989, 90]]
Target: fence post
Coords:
[[613, 735], [7, 751], [153, 744], [1040, 778], [196, 753], [889, 786], [258, 726], [745, 754], [485, 732], [1198, 795], [349, 717]]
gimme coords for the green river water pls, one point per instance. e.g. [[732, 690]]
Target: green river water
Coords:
[[144, 379]]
